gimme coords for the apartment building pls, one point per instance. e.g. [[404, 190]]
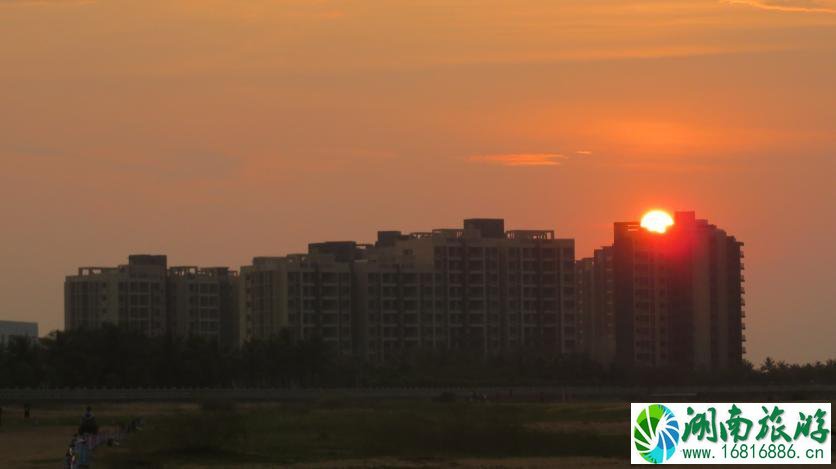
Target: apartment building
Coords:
[[678, 295], [305, 295], [671, 299], [202, 301], [132, 295], [395, 307], [595, 304], [146, 296], [477, 287]]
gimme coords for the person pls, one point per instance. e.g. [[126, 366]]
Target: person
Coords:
[[81, 450], [26, 410], [69, 458], [88, 423], [1, 416]]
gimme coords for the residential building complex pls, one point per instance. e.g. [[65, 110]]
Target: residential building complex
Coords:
[[476, 287], [649, 300]]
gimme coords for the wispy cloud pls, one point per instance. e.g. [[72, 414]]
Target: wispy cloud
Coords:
[[583, 152], [790, 6], [520, 159]]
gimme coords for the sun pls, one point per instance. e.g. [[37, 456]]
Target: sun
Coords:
[[656, 221]]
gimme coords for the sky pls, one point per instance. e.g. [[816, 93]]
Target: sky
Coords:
[[217, 130]]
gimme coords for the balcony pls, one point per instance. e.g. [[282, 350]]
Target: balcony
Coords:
[[743, 337], [743, 326], [743, 302]]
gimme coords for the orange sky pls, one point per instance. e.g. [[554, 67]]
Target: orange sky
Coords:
[[214, 131]]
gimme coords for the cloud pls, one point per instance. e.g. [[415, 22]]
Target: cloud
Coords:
[[790, 6], [520, 159], [583, 152]]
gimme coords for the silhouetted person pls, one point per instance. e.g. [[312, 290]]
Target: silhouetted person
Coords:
[[1, 416], [27, 408], [88, 423]]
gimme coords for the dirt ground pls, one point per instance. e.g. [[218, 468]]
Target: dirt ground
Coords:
[[34, 446]]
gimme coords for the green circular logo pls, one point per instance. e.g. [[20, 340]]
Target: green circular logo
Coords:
[[656, 434]]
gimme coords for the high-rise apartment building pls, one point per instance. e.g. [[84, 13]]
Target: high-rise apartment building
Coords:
[[671, 299], [132, 295], [477, 287], [202, 301], [306, 295], [146, 296], [595, 292], [678, 296], [396, 299]]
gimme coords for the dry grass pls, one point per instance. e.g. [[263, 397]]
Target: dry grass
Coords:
[[41, 441], [482, 463], [34, 446]]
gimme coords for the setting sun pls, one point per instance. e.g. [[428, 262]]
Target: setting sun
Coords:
[[656, 221]]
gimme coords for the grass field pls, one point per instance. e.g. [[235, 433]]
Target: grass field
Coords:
[[40, 441], [334, 433]]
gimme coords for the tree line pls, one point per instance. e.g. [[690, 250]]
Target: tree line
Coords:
[[119, 358]]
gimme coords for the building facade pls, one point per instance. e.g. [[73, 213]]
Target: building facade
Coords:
[[202, 302], [595, 294], [478, 288], [131, 295], [146, 296], [672, 299], [678, 296], [305, 295]]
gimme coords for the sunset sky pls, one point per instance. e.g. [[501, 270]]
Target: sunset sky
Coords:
[[214, 131]]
